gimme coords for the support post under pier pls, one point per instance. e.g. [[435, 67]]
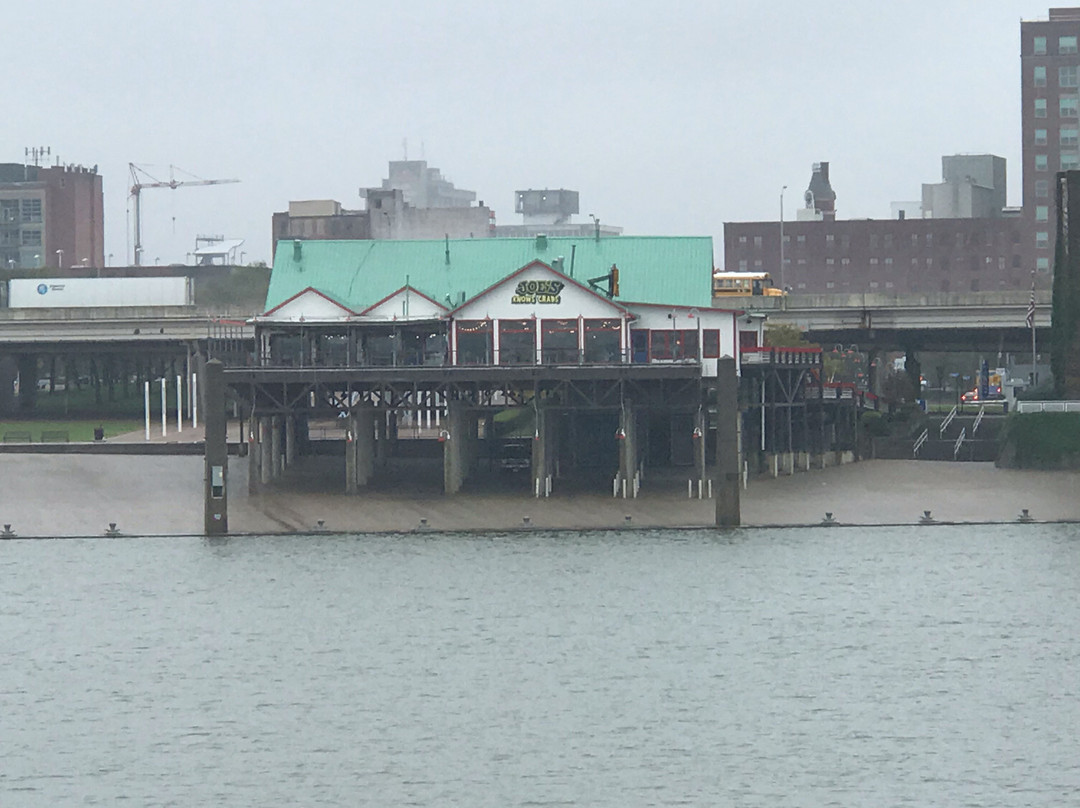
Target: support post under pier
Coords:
[[216, 454], [727, 445]]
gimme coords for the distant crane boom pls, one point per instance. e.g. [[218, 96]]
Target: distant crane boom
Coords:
[[139, 177]]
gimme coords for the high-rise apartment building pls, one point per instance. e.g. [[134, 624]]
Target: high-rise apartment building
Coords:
[[1050, 116]]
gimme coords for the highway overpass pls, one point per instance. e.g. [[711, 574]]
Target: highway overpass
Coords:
[[954, 321]]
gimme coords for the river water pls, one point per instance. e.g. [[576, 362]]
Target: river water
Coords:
[[806, 667]]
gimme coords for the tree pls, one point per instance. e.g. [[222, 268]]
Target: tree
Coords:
[[785, 336]]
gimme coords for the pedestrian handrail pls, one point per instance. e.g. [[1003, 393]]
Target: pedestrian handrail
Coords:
[[978, 420], [923, 438], [958, 444], [947, 421], [1048, 406]]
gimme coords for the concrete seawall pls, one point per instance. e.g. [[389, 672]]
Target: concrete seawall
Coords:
[[79, 495]]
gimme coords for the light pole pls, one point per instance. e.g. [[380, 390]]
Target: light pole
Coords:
[[783, 285], [59, 259]]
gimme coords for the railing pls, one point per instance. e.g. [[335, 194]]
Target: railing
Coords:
[[947, 421], [978, 420], [923, 438], [1047, 406], [959, 443], [837, 390], [781, 356]]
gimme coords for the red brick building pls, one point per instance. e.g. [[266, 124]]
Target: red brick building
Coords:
[[883, 255], [51, 216]]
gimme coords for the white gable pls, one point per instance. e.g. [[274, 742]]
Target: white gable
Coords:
[[536, 292], [405, 304], [310, 307]]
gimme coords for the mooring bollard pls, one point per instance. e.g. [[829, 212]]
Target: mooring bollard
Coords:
[[526, 521], [1025, 516], [828, 520], [112, 530], [7, 533], [926, 518]]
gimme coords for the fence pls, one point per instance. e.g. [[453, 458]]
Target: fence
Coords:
[[1047, 406]]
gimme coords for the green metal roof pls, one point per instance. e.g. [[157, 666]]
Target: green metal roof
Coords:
[[668, 270]]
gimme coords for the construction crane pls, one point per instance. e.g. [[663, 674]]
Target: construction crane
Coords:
[[138, 182]]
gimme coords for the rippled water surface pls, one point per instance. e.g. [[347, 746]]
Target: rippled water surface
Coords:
[[917, 666]]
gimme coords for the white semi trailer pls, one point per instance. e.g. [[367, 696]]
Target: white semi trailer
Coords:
[[49, 293]]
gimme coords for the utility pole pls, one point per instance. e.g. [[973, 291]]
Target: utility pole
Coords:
[[783, 285]]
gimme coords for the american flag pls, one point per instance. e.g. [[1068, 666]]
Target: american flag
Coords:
[[1031, 307]]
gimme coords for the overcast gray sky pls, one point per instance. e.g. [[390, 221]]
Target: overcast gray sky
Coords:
[[669, 118]]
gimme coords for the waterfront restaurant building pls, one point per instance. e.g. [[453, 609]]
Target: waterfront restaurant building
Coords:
[[608, 348]]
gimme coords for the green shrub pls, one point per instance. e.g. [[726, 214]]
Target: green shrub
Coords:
[[1043, 439]]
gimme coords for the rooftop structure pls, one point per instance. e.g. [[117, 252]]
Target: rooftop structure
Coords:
[[359, 274]]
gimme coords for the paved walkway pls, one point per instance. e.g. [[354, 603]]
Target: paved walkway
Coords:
[[79, 495]]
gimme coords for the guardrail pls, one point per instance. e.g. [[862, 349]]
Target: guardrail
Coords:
[[1047, 406], [947, 421], [923, 438], [958, 444]]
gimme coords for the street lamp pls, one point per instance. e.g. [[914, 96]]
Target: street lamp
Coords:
[[783, 286], [59, 259]]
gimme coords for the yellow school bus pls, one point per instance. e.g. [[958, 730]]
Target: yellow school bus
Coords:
[[732, 284]]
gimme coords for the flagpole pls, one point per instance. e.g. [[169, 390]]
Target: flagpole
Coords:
[[1034, 372], [1031, 325]]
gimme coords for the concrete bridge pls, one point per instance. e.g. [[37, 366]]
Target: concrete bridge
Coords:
[[111, 345], [947, 321]]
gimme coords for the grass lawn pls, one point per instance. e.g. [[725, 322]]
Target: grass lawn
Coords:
[[17, 431]]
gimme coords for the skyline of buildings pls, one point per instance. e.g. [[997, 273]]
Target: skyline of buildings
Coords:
[[965, 236]]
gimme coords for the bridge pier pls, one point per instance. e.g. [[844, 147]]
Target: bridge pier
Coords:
[[913, 368], [28, 376], [216, 453], [360, 449], [727, 477], [628, 449], [459, 446]]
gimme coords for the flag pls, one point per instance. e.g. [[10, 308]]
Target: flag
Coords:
[[1031, 307]]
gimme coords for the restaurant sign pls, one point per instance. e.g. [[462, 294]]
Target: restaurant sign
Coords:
[[538, 292]]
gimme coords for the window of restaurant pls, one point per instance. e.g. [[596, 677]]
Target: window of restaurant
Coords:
[[410, 348], [674, 344], [559, 342], [379, 348], [474, 342], [639, 345], [602, 340], [747, 339], [517, 342], [331, 350], [285, 350]]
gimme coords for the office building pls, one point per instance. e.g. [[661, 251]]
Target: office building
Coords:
[[50, 216], [1050, 123]]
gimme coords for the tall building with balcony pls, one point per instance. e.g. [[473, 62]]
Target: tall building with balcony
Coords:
[[1050, 123], [50, 216]]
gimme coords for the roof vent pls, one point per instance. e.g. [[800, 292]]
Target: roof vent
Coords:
[[297, 251], [541, 241]]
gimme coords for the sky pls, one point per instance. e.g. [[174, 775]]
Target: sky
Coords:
[[668, 118]]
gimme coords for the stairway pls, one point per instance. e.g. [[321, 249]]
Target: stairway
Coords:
[[980, 442]]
